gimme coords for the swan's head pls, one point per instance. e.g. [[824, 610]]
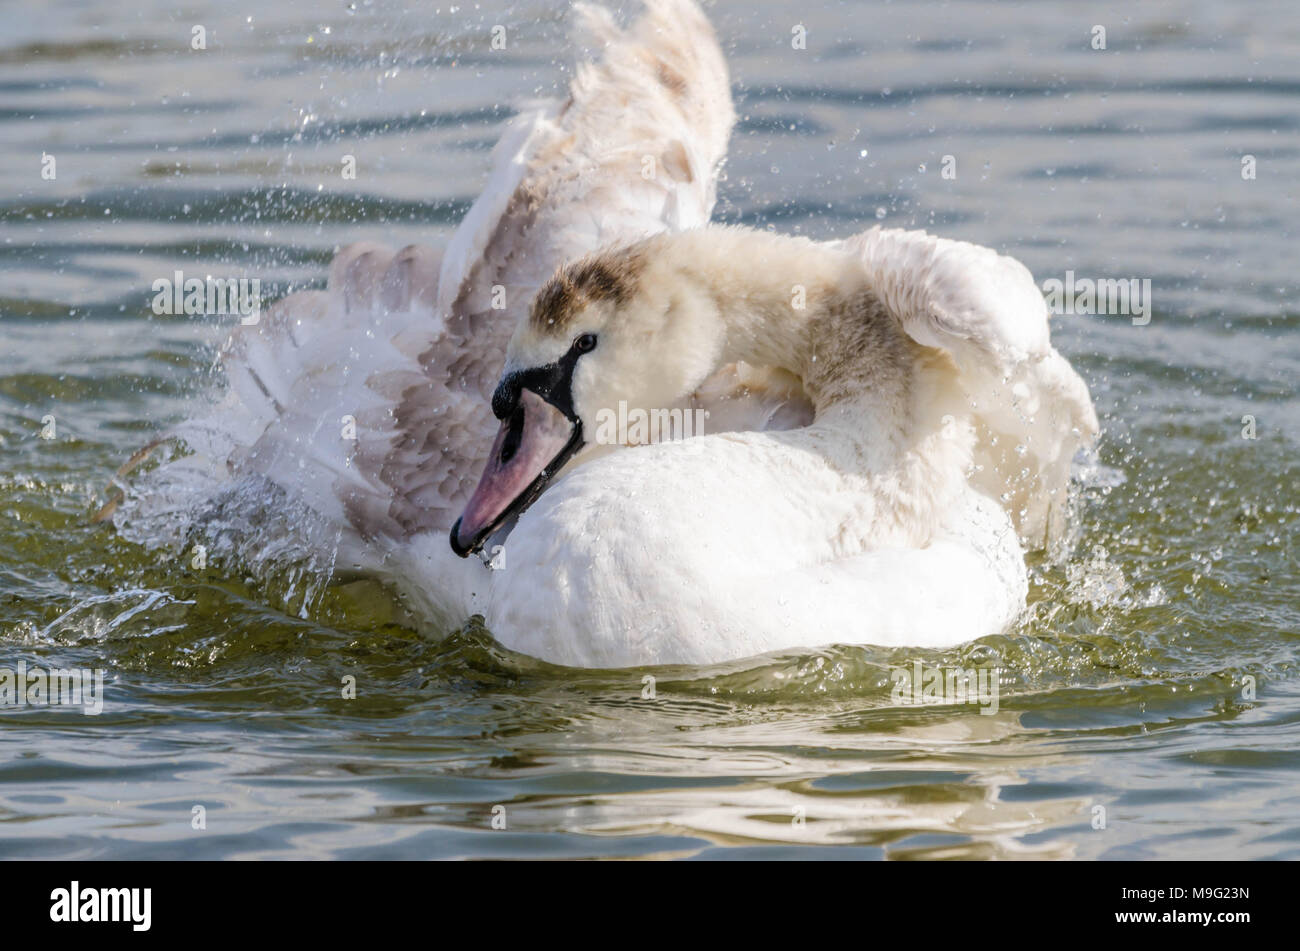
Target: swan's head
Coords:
[[626, 326]]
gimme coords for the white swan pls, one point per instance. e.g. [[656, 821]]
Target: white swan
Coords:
[[931, 374], [943, 431]]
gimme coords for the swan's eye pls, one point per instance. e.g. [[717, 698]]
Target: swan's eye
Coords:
[[585, 343]]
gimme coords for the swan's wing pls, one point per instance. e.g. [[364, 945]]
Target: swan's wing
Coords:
[[1032, 410], [368, 402], [633, 151]]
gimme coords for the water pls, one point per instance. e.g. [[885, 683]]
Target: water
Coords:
[[1128, 687]]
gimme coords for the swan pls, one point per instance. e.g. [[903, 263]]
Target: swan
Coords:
[[932, 381], [888, 426]]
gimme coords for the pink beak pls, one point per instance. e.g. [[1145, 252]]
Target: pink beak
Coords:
[[534, 442]]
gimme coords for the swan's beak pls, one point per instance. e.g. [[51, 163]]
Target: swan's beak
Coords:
[[535, 441]]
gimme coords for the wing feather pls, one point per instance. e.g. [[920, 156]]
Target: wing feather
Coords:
[[1032, 409], [633, 151], [368, 402]]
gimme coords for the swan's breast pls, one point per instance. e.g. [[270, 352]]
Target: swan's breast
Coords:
[[644, 550]]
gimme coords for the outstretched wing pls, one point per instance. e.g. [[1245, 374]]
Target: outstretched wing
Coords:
[[1032, 410], [368, 402], [634, 150]]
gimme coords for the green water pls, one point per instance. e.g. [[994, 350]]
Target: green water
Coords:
[[1151, 688]]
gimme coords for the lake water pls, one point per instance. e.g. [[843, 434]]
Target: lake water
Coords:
[[1150, 704]]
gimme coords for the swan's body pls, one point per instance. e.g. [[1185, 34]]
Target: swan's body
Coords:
[[866, 526], [943, 430]]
